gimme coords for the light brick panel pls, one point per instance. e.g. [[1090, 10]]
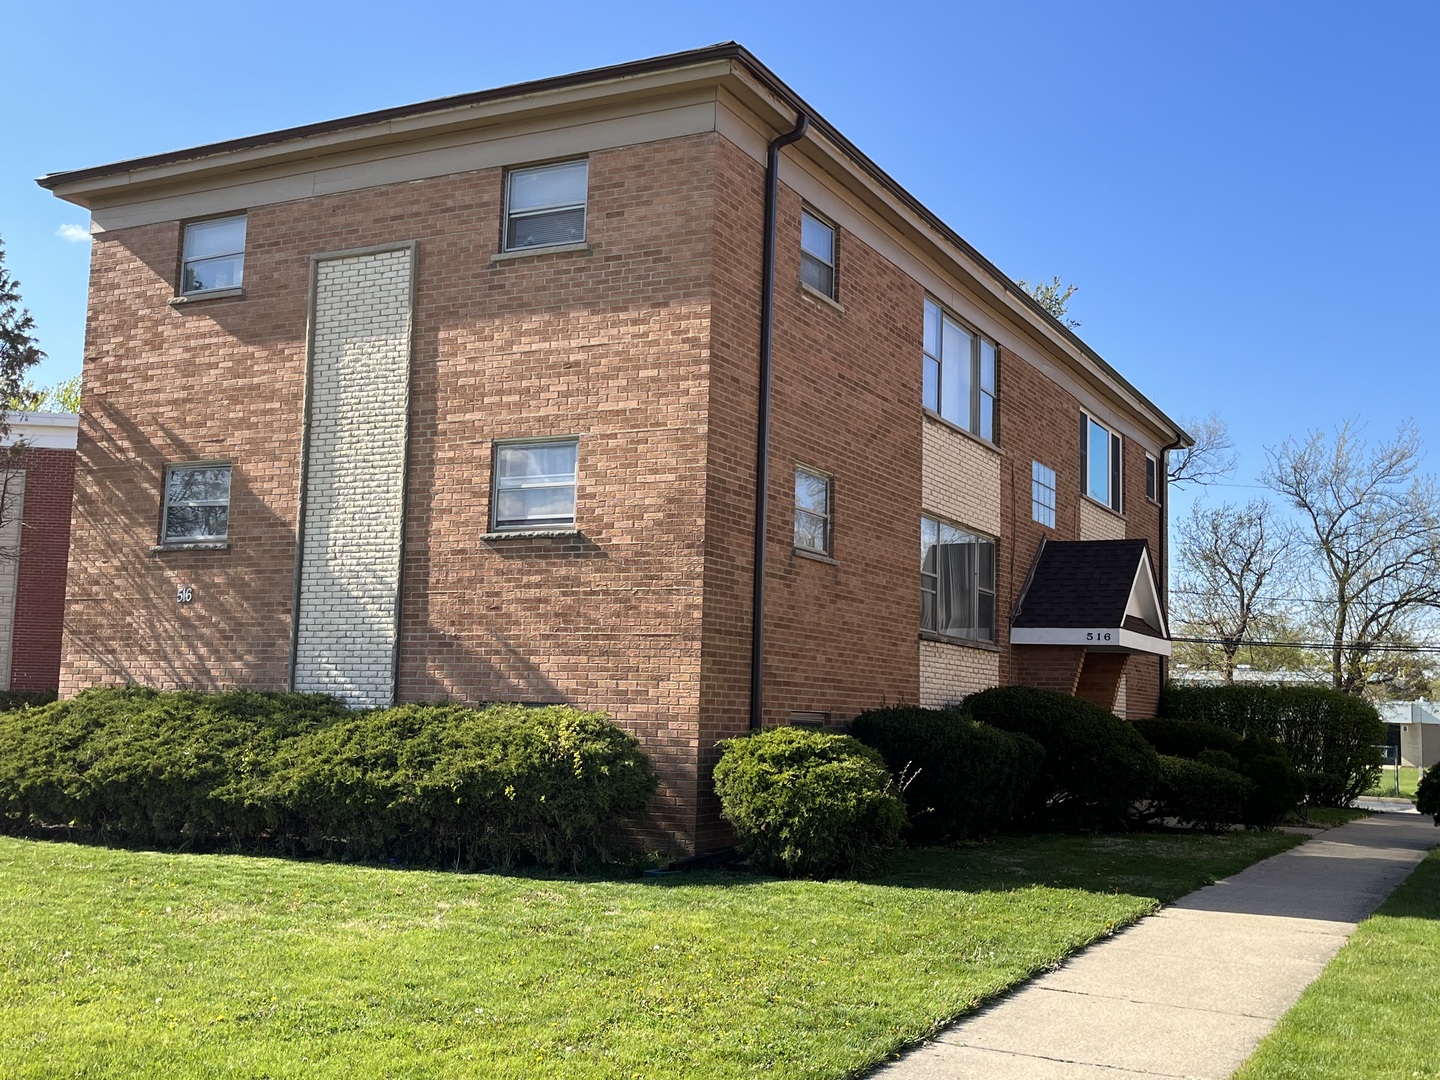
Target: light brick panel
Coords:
[[355, 477], [12, 504], [951, 672], [1097, 523], [960, 479]]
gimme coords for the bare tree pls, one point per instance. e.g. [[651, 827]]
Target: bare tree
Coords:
[[1210, 459], [18, 353], [1228, 556], [1053, 297], [1371, 521]]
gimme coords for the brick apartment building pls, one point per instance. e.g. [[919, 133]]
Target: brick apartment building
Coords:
[[468, 399], [35, 487]]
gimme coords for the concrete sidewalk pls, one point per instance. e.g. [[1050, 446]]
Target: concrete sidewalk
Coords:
[[1189, 991]]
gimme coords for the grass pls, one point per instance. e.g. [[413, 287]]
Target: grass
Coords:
[[1409, 777], [122, 963], [1328, 817], [1371, 1014]]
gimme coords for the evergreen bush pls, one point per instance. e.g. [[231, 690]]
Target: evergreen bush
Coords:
[[1200, 795]]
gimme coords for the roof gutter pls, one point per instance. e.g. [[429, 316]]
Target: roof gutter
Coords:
[[762, 435], [1163, 555]]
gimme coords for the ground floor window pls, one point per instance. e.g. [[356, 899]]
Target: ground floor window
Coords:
[[957, 581], [197, 504]]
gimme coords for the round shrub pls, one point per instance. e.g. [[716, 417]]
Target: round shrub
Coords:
[[1199, 795], [1187, 738], [1427, 793], [1277, 788], [963, 779], [1096, 766], [807, 803]]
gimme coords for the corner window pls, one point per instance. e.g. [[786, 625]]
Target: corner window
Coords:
[[817, 254], [197, 504], [1152, 479], [534, 484], [546, 205], [214, 255], [812, 511], [957, 582], [1100, 452], [959, 372], [1042, 494]]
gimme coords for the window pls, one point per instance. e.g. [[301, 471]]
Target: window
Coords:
[[535, 484], [959, 372], [812, 511], [1100, 462], [546, 205], [214, 256], [1152, 478], [197, 504], [957, 582], [1042, 494], [817, 254]]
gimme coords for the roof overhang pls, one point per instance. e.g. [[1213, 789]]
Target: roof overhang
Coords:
[[42, 431], [1097, 594], [1096, 639]]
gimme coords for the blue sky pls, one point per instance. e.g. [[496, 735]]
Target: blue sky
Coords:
[[1245, 193]]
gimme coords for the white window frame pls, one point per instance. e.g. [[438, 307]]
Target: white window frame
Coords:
[[166, 540], [978, 587], [825, 517], [186, 260], [984, 401], [832, 265], [1152, 477], [1113, 496], [497, 484], [540, 211], [1044, 494]]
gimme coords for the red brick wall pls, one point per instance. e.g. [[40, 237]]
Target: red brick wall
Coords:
[[40, 584]]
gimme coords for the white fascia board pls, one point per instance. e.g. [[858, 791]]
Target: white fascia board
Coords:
[[1144, 602], [1095, 637], [42, 431]]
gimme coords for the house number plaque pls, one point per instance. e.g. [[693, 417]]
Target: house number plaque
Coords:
[[184, 594]]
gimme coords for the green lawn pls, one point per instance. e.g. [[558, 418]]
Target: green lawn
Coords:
[[1330, 817], [124, 964], [1371, 1014], [1409, 777]]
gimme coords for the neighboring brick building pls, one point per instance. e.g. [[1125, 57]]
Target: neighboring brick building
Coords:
[[475, 386], [35, 489]]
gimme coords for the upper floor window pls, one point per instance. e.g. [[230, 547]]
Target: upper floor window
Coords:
[[957, 581], [214, 256], [1152, 479], [545, 205], [1042, 494], [959, 372], [1100, 454], [197, 504], [535, 484], [817, 254], [812, 511]]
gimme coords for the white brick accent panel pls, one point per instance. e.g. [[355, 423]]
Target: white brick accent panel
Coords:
[[960, 479], [12, 506], [1120, 703], [951, 672], [355, 477], [1097, 523]]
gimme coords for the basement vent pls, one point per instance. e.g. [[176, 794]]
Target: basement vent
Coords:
[[808, 719]]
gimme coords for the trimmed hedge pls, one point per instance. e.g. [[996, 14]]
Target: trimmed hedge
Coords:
[[1188, 738], [963, 779], [807, 803], [1427, 793], [25, 699], [1276, 787], [1331, 737], [1204, 796], [1096, 766], [303, 772]]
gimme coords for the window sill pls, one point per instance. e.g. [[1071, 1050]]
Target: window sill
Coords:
[[978, 440], [809, 292], [548, 249], [969, 643], [209, 294], [528, 534], [805, 553], [197, 545], [1103, 506]]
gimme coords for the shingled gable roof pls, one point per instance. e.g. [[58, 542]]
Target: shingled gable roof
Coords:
[[1096, 593]]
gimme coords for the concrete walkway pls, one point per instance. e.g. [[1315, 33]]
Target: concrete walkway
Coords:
[[1189, 991]]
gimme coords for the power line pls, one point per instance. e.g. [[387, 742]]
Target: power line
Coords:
[[1362, 646]]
